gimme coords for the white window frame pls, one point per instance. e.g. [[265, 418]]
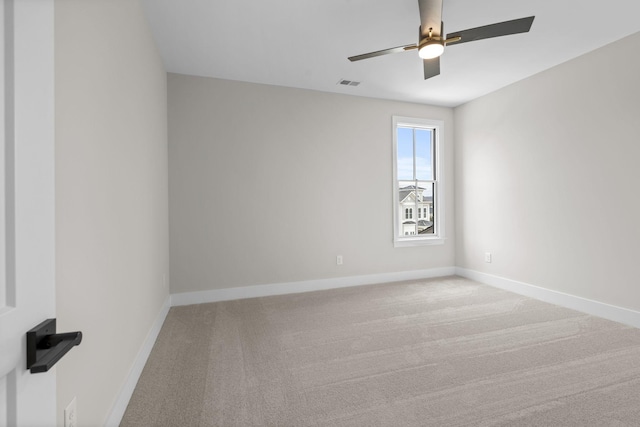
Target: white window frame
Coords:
[[437, 238]]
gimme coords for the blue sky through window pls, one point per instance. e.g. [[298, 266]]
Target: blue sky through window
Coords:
[[424, 161]]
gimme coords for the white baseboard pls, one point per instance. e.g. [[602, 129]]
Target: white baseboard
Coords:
[[188, 298], [600, 309], [120, 405]]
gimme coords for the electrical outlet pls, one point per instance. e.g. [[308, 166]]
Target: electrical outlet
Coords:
[[487, 257], [339, 260], [71, 414]]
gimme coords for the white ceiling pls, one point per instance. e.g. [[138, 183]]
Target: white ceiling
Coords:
[[305, 43]]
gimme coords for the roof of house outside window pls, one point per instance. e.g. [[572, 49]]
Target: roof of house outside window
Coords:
[[404, 192]]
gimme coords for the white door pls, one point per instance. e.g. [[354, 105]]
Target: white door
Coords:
[[27, 244]]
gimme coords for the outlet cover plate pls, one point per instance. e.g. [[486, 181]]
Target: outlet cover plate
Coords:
[[71, 414]]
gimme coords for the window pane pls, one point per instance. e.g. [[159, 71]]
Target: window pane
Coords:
[[424, 203], [424, 160], [407, 213], [405, 153]]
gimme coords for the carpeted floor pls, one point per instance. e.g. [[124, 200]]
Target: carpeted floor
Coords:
[[446, 352]]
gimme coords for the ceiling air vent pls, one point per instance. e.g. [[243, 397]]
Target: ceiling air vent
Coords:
[[348, 82]]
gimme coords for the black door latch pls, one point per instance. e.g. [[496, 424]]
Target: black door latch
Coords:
[[45, 347]]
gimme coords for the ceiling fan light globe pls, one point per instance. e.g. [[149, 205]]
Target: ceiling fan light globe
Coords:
[[431, 50]]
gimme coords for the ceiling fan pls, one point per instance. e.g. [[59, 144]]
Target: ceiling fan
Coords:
[[431, 40]]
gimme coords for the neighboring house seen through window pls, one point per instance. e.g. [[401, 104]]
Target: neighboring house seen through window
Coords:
[[417, 182]]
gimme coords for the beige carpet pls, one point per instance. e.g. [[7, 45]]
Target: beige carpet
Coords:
[[446, 352]]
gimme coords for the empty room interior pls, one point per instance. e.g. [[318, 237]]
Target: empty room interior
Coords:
[[253, 229]]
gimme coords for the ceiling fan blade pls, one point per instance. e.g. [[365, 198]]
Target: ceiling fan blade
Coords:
[[431, 67], [506, 28], [383, 52], [430, 17]]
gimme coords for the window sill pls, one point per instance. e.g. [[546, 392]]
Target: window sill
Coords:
[[420, 241]]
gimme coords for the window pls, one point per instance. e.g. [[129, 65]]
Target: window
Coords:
[[417, 182]]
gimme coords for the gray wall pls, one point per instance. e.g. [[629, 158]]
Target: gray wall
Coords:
[[268, 184], [111, 196], [547, 178]]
